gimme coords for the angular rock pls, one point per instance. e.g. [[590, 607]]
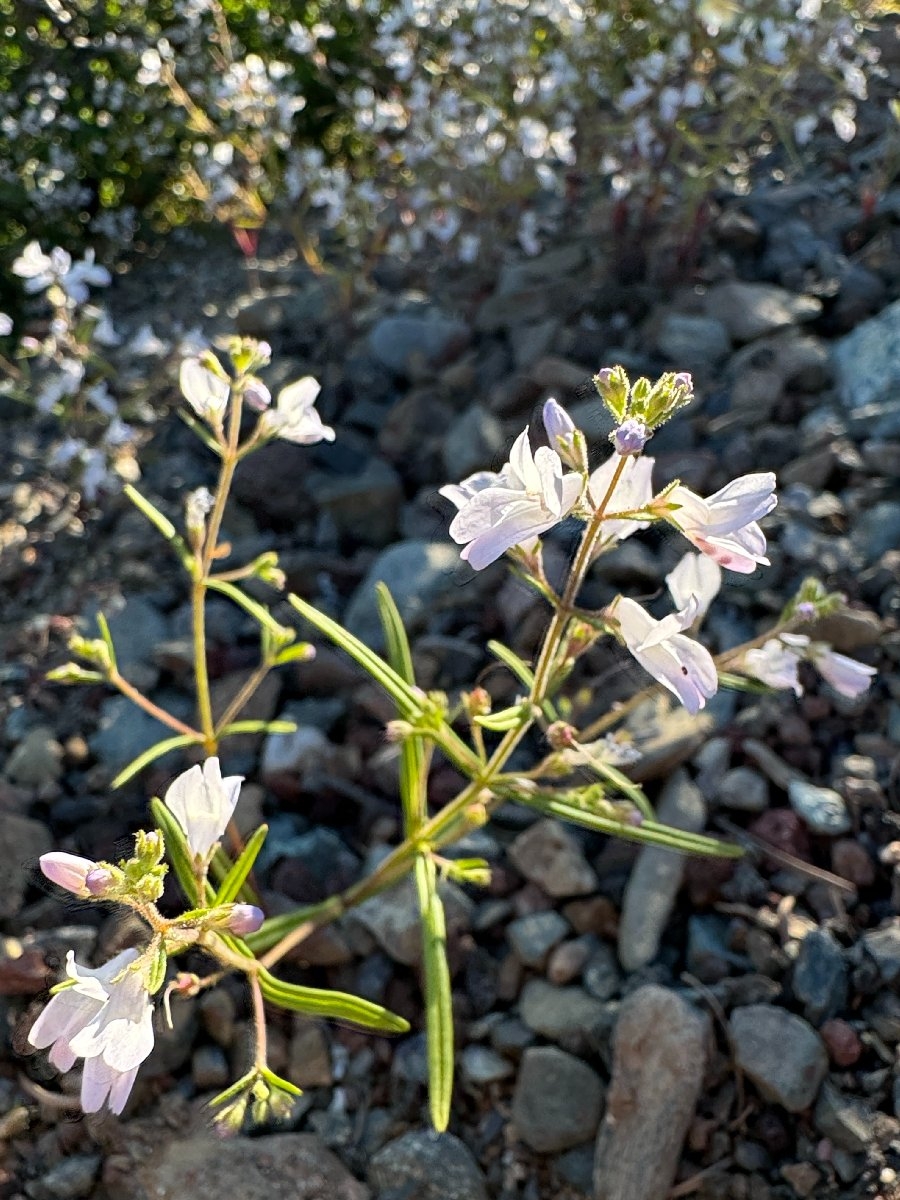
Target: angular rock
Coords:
[[846, 1120], [479, 1065], [37, 760], [70, 1179], [884, 946], [743, 789], [567, 1015], [692, 343], [364, 505], [819, 977], [402, 343], [22, 842], [393, 920], [550, 856], [284, 1166], [867, 364], [656, 876], [752, 310], [659, 1057], [534, 936], [429, 1166], [557, 1101], [823, 809], [782, 1054]]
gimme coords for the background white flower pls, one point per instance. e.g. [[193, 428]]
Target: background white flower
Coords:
[[202, 802], [295, 417]]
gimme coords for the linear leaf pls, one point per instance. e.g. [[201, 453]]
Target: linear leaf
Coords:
[[257, 611], [160, 522], [231, 885], [156, 751], [523, 673], [258, 727], [339, 1006], [413, 758], [438, 1004], [625, 785], [406, 699], [648, 832]]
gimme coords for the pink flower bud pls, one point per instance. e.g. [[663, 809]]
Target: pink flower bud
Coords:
[[631, 436], [256, 395], [245, 918], [98, 880], [684, 381], [69, 871]]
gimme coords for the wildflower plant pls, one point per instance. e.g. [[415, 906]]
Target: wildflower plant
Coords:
[[578, 770]]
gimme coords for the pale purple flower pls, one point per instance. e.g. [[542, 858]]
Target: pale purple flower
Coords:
[[69, 871], [205, 391], [677, 662], [202, 802], [529, 496], [105, 1017], [634, 491], [630, 437], [695, 576], [6, 324], [564, 436], [295, 417], [776, 662], [724, 524], [245, 918], [847, 676], [256, 395], [98, 880]]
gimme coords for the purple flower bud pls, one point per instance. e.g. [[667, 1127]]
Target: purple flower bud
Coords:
[[245, 918], [631, 436], [684, 380], [68, 871], [603, 376], [264, 350], [806, 609], [98, 880], [635, 818], [256, 395]]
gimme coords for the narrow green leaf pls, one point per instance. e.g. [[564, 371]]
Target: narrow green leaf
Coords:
[[201, 431], [252, 607], [413, 758], [231, 885], [506, 718], [648, 832], [177, 850], [301, 652], [338, 1006], [273, 929], [103, 626], [258, 727], [741, 683], [438, 1004], [156, 751], [405, 697], [523, 673], [160, 522], [625, 785]]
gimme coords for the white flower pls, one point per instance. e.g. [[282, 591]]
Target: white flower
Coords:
[[6, 325], [294, 416], [83, 275], [695, 576], [775, 663], [634, 491], [40, 270], [496, 512], [206, 392], [724, 524], [202, 802], [680, 664], [847, 676], [105, 1017]]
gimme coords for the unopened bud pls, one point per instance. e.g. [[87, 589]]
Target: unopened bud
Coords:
[[256, 395], [806, 610], [98, 881], [478, 702], [631, 437], [69, 871], [613, 387], [560, 735], [245, 918]]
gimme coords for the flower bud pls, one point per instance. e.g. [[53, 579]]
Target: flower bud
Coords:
[[631, 437], [805, 610], [196, 507], [68, 871], [245, 918], [256, 395], [612, 386], [98, 880]]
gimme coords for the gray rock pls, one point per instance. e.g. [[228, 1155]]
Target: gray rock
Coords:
[[480, 1065], [137, 628], [656, 876], [601, 977], [310, 1054], [70, 1179], [209, 1068], [819, 977], [284, 1166], [304, 752], [430, 1166], [364, 505], [567, 1015], [708, 955], [884, 946], [823, 809], [743, 789], [846, 1120], [392, 918], [422, 576], [124, 732], [557, 1101], [37, 760], [659, 1057], [474, 442], [550, 856], [752, 310], [692, 343], [533, 936], [878, 529], [867, 365], [782, 1054], [22, 842], [402, 343]]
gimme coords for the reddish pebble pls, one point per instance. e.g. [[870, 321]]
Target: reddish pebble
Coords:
[[841, 1041], [783, 829], [852, 862]]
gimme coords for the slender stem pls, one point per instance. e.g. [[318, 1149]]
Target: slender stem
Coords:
[[201, 671], [259, 1021], [142, 701], [244, 694]]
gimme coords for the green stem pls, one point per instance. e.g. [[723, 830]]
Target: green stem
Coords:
[[142, 701]]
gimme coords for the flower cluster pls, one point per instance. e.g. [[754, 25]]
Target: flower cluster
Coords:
[[509, 510], [105, 1014]]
